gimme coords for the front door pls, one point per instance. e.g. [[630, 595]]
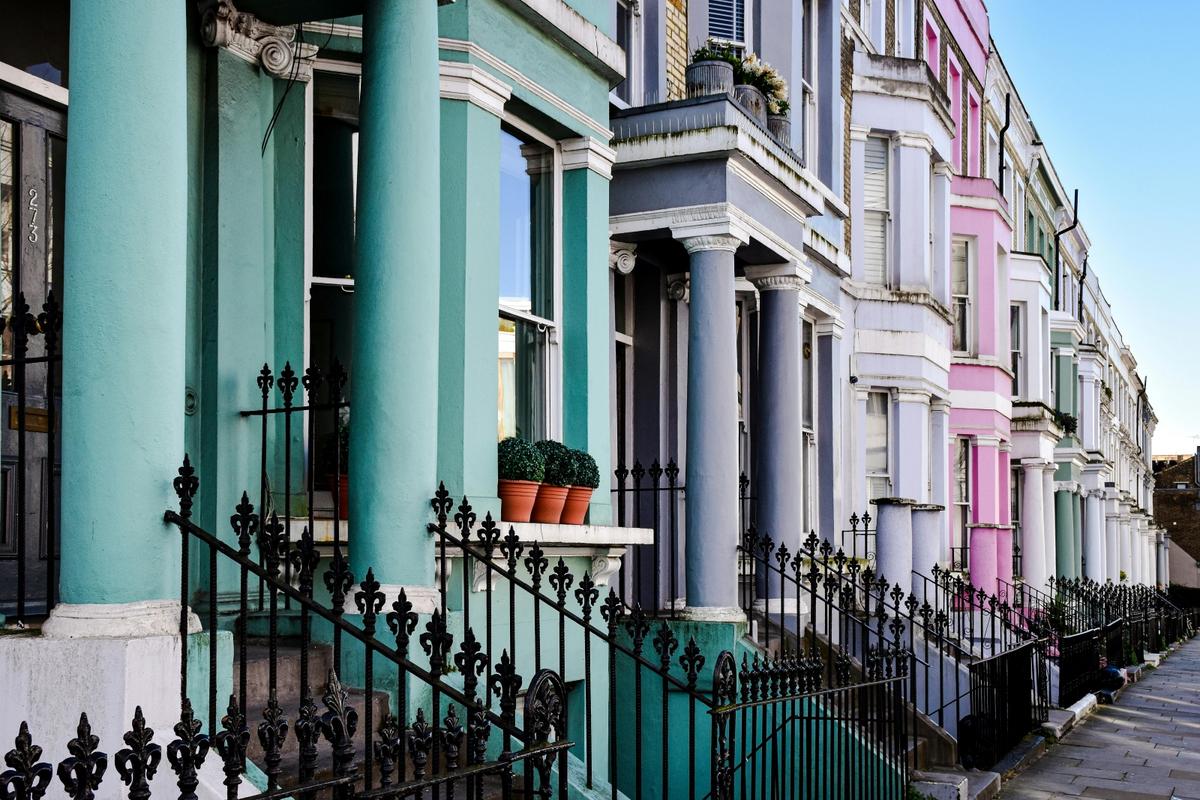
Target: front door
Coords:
[[32, 180]]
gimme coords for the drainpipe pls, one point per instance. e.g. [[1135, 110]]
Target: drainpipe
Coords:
[[1082, 279], [1003, 132], [1057, 259]]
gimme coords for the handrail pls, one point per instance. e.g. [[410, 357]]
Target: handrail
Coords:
[[510, 575], [173, 517]]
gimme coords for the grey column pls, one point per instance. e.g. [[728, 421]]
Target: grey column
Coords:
[[894, 540], [779, 457], [928, 536], [712, 442]]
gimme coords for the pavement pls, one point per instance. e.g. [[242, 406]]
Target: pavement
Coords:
[[1146, 746]]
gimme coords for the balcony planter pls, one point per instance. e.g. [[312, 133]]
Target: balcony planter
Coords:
[[560, 474], [520, 467], [710, 76], [752, 100], [587, 478], [780, 126]]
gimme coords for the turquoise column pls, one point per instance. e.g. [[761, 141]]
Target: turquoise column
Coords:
[[470, 291], [124, 316], [586, 336], [394, 419], [1064, 536]]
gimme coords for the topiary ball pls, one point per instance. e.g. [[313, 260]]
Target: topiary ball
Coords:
[[518, 460], [560, 467], [586, 472]]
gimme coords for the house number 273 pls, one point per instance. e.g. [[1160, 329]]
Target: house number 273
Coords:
[[33, 216]]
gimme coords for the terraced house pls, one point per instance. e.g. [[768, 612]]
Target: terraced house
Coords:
[[841, 465]]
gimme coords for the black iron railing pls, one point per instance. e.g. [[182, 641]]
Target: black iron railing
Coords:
[[775, 734], [1010, 696], [651, 574], [31, 391], [1115, 637], [1078, 665]]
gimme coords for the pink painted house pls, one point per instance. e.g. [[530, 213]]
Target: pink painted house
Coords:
[[979, 524]]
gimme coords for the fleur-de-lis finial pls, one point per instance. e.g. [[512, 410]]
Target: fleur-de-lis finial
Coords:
[[81, 773], [138, 761], [27, 777], [187, 752], [186, 484]]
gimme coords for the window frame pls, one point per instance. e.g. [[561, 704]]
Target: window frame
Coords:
[[962, 508], [1016, 349], [968, 328], [633, 55], [552, 392], [884, 212], [886, 474]]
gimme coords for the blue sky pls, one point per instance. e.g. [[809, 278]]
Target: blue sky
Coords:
[[1111, 88]]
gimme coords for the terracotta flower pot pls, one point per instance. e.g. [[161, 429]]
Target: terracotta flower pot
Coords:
[[549, 505], [516, 499], [576, 506]]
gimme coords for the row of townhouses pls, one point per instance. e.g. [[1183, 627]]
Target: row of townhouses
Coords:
[[866, 429]]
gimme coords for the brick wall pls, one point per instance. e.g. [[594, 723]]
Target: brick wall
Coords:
[[678, 52]]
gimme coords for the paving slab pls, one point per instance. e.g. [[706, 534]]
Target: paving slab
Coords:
[[1144, 747]]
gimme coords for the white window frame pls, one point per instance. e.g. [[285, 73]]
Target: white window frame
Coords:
[[626, 342], [968, 329], [1016, 499], [634, 55], [552, 394], [808, 424], [1017, 349], [885, 212], [961, 509], [886, 474]]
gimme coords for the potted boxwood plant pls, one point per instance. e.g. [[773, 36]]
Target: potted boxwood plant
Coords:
[[520, 467], [560, 474], [711, 70], [587, 480]]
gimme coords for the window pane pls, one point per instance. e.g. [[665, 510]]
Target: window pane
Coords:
[[624, 41], [335, 171], [958, 276], [521, 391], [877, 433], [526, 226], [807, 375], [962, 451]]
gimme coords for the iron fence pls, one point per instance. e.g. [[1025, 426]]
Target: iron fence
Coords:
[[774, 736], [1010, 696], [1078, 665]]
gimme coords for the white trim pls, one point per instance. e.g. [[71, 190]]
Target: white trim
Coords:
[[116, 620], [22, 80], [518, 78], [587, 153], [458, 80], [981, 400]]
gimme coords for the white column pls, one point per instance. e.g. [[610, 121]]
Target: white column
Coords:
[[910, 478], [1094, 533], [1049, 533], [1033, 517], [1112, 547], [940, 282]]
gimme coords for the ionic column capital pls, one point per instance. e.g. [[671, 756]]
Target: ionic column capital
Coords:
[[622, 256], [777, 277], [699, 244], [272, 47]]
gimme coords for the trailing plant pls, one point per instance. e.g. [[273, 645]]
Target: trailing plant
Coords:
[[779, 107], [586, 472], [1067, 422], [518, 460], [560, 467], [716, 50]]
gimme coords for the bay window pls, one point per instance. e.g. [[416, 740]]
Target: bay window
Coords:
[[528, 303]]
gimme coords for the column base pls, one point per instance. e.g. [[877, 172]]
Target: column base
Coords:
[[49, 681], [424, 599], [116, 620], [713, 614], [777, 605]]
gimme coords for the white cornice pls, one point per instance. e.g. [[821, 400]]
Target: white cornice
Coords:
[[587, 153], [458, 80], [518, 78]]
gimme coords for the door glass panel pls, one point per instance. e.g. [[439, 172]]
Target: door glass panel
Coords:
[[8, 243], [56, 164]]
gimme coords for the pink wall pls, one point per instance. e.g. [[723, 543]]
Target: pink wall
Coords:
[[967, 21]]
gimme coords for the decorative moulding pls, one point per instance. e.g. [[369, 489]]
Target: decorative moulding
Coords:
[[622, 257], [273, 47], [461, 81], [588, 153]]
